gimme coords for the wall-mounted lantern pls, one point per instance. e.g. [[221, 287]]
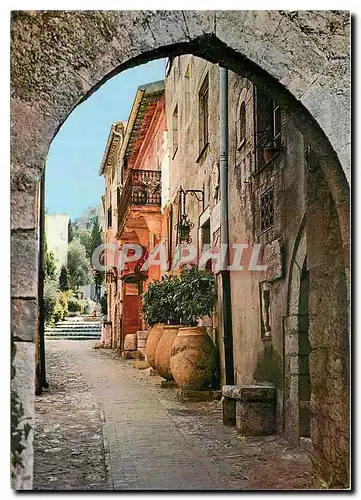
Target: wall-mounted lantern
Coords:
[[184, 224]]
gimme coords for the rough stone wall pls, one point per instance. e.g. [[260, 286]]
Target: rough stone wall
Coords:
[[59, 57], [256, 357], [188, 169], [329, 335]]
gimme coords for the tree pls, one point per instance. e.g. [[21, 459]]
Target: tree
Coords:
[[96, 239], [78, 265], [50, 263], [84, 236], [50, 298], [70, 231], [64, 279]]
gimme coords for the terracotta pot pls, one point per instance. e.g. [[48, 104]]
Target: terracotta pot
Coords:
[[155, 334], [268, 153], [193, 358], [162, 354]]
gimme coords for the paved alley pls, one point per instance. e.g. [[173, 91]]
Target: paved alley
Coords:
[[104, 425]]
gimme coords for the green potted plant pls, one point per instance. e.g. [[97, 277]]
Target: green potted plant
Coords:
[[159, 312], [193, 355]]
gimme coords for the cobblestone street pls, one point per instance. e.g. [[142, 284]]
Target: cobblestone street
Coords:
[[105, 425]]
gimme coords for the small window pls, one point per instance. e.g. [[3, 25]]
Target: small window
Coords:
[[267, 210], [110, 217], [187, 93], [276, 125], [206, 240], [241, 125], [268, 127], [175, 130], [203, 115]]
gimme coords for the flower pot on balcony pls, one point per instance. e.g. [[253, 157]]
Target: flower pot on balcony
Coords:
[[162, 354], [154, 336], [269, 152], [193, 358]]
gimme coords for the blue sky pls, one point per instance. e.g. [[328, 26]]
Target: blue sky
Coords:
[[72, 176]]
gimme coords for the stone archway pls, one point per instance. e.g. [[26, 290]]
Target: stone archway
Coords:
[[60, 57], [291, 331]]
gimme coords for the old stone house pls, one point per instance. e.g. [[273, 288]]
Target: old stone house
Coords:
[[276, 219], [274, 203], [134, 158]]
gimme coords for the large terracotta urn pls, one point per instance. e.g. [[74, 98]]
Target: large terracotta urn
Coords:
[[162, 354], [155, 334], [193, 358]]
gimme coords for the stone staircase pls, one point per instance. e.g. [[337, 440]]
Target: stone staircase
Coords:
[[75, 328]]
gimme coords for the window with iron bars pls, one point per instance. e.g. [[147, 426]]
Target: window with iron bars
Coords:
[[267, 210]]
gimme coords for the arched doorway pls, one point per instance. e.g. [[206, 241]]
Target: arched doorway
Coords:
[[51, 75], [304, 381]]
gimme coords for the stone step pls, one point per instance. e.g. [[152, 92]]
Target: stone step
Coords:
[[72, 334], [75, 323], [75, 337], [82, 328], [56, 332]]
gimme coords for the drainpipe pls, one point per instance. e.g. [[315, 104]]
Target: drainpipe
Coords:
[[225, 273]]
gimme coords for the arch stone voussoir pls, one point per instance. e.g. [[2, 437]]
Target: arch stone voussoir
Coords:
[[59, 58]]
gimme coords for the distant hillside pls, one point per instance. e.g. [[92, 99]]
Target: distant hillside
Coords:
[[84, 221]]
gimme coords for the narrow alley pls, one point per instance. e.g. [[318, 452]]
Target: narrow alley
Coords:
[[105, 425]]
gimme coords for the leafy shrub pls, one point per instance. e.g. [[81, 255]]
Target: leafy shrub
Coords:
[[195, 295], [89, 306], [181, 299], [63, 300], [74, 304], [158, 304], [58, 312], [50, 298]]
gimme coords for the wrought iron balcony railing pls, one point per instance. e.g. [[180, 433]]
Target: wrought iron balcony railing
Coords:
[[142, 187]]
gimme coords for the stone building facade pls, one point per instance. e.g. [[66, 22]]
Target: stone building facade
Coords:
[[133, 167], [277, 212]]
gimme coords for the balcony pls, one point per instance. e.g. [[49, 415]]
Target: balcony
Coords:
[[142, 188]]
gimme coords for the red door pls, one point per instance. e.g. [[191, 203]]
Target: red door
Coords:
[[131, 309]]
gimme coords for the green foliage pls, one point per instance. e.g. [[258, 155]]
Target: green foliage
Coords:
[[91, 238], [89, 306], [181, 299], [70, 231], [195, 295], [50, 298], [74, 304], [96, 237], [58, 312], [84, 236], [64, 279], [63, 301], [78, 267], [104, 304], [158, 304], [49, 263]]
